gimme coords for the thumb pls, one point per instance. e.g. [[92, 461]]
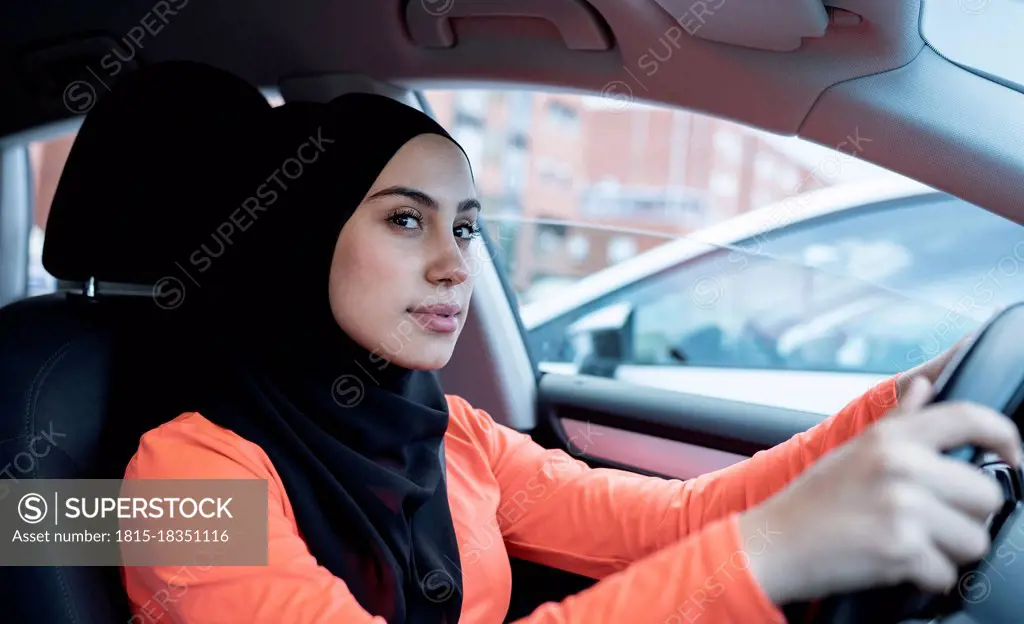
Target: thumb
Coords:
[[918, 393]]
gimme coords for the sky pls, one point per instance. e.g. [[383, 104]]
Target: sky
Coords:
[[984, 35], [812, 155]]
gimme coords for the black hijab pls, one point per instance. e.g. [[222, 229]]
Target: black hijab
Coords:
[[356, 439], [183, 175]]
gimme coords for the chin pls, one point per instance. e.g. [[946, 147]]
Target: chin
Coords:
[[424, 357]]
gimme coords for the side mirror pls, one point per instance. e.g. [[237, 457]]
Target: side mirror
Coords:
[[603, 339]]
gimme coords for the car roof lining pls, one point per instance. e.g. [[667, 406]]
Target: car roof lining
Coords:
[[878, 77], [274, 41], [822, 91]]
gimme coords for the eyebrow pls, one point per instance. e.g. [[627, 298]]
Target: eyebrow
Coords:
[[422, 198]]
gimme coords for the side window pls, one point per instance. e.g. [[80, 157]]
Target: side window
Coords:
[[575, 184], [625, 230], [874, 289], [47, 158], [713, 311]]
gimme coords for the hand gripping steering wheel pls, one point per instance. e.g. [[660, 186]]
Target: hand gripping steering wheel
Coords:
[[989, 370]]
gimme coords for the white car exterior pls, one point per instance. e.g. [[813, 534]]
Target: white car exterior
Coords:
[[888, 273]]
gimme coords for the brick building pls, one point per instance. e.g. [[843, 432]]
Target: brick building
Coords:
[[572, 183], [576, 183]]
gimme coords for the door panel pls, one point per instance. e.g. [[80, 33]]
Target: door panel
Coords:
[[720, 424], [815, 392], [653, 455], [612, 424]]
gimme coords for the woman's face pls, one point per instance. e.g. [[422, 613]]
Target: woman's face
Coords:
[[401, 278]]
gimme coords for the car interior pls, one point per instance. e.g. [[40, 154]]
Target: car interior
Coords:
[[84, 361]]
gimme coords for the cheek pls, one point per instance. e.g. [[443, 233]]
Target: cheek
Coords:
[[374, 267], [369, 277]]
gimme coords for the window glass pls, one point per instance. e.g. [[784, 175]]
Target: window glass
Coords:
[[562, 115], [602, 205], [955, 29], [873, 290], [40, 281], [729, 145], [47, 158], [879, 288]]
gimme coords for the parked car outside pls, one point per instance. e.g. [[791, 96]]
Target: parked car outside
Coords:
[[802, 304]]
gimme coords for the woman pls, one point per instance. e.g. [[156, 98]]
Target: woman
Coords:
[[317, 330]]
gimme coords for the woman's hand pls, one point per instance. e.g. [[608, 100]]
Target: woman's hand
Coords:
[[887, 506], [930, 370]]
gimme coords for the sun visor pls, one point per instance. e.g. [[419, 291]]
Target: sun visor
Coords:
[[580, 26], [779, 25]]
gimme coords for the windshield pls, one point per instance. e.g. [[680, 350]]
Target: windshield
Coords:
[[983, 35], [874, 289], [740, 309]]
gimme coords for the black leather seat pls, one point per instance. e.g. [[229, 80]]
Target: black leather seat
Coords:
[[81, 384], [83, 376]]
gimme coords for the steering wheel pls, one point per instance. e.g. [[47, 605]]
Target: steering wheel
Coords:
[[989, 370]]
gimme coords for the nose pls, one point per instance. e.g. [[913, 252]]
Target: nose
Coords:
[[449, 266]]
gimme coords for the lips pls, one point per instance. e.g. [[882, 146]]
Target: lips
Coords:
[[438, 309], [442, 318]]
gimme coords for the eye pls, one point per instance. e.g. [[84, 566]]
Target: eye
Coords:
[[467, 231], [406, 219]]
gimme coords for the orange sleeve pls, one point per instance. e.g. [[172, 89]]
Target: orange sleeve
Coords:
[[705, 576], [700, 572], [702, 576], [291, 588], [557, 511]]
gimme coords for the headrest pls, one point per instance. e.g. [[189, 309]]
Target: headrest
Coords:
[[144, 169]]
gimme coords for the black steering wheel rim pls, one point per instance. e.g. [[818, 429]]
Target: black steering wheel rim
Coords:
[[989, 370]]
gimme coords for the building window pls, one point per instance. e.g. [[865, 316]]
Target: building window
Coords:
[[518, 140], [520, 109], [621, 248], [550, 237], [789, 178], [562, 116], [563, 173], [494, 148], [676, 205], [545, 167], [729, 145], [579, 247], [554, 172], [463, 119], [760, 199], [764, 166], [724, 184], [515, 168], [472, 102], [472, 141]]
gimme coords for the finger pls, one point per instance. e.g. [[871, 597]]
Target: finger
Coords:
[[945, 426], [958, 537], [932, 571], [917, 394], [952, 482]]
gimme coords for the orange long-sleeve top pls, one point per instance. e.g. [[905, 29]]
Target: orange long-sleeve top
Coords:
[[665, 551]]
